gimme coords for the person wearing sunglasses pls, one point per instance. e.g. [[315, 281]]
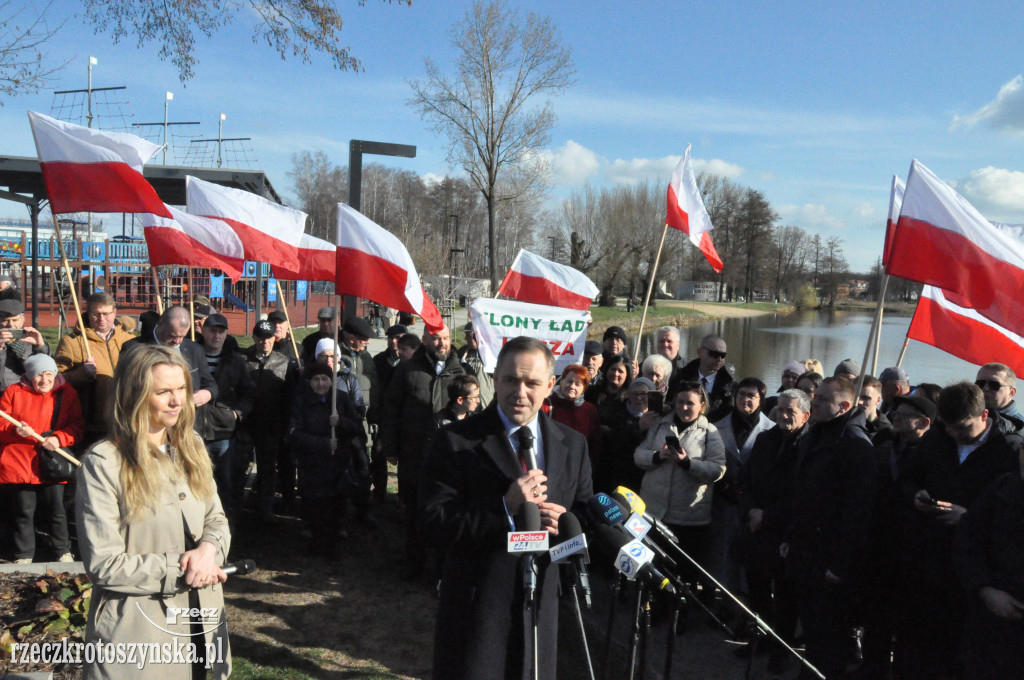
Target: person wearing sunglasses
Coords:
[[710, 370], [998, 383]]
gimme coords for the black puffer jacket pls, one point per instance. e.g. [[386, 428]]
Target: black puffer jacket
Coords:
[[274, 378]]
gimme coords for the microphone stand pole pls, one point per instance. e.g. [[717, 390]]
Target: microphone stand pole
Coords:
[[579, 623], [616, 590], [670, 647], [529, 564], [634, 641], [764, 627]]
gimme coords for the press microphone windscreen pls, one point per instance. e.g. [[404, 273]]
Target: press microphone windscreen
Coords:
[[240, 568], [528, 517]]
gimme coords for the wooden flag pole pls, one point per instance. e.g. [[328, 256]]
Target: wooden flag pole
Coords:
[[156, 289], [291, 331], [647, 297], [191, 305], [871, 339], [38, 437], [903, 351], [71, 284], [878, 330], [334, 380]]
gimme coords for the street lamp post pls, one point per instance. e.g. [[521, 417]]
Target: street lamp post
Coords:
[[168, 96]]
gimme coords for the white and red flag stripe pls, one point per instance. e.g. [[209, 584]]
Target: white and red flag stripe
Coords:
[[89, 170], [317, 261], [537, 280], [964, 333], [270, 232], [686, 211], [895, 204], [372, 263], [942, 240], [193, 241]]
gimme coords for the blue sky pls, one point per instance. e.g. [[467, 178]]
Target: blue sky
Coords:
[[815, 104]]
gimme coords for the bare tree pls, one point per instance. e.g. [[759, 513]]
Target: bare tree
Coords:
[[319, 186], [290, 27], [504, 63], [23, 30]]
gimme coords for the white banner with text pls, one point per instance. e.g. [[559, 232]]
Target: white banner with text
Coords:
[[495, 322]]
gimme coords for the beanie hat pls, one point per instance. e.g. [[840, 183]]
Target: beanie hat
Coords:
[[39, 363]]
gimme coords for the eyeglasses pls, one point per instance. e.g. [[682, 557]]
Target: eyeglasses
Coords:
[[990, 384], [714, 353]]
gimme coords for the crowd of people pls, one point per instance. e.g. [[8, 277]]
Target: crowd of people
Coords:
[[887, 521]]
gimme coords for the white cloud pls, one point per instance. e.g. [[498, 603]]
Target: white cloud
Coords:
[[432, 178], [632, 171], [1005, 112], [996, 192], [866, 209], [573, 164], [810, 216]]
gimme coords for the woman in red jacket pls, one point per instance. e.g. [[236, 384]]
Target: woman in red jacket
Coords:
[[569, 408], [32, 402]]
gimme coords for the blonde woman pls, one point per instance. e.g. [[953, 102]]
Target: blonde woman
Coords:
[[151, 529]]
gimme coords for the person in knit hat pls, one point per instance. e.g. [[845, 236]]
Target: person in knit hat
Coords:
[[42, 402]]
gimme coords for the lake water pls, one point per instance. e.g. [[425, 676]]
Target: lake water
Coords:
[[760, 346]]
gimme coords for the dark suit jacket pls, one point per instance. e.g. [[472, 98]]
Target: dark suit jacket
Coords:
[[193, 354], [720, 401], [480, 624]]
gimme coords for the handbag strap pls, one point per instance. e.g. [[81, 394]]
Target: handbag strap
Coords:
[[57, 401]]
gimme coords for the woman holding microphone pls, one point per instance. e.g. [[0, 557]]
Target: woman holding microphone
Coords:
[[152, 532]]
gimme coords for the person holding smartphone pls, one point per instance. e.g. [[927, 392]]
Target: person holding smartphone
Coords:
[[683, 456], [17, 343]]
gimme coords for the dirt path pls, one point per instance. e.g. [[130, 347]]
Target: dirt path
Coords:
[[720, 310]]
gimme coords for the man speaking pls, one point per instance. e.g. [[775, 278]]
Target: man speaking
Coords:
[[476, 477]]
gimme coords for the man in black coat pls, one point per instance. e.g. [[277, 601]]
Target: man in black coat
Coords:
[[765, 487], [833, 493], [953, 464], [988, 552], [325, 319], [474, 484], [710, 371], [418, 390]]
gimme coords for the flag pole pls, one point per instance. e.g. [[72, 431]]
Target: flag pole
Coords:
[[291, 331], [59, 451], [647, 297], [71, 283], [876, 322], [903, 351], [156, 290], [192, 304], [334, 380], [878, 329]]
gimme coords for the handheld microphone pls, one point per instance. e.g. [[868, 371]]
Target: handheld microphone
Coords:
[[573, 548], [634, 559], [637, 505], [240, 568], [526, 445], [528, 519]]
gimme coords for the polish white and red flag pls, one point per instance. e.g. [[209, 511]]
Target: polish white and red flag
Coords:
[[686, 211], [269, 232], [88, 170], [193, 241], [964, 332], [895, 204], [537, 280], [317, 261], [372, 263], [942, 240]]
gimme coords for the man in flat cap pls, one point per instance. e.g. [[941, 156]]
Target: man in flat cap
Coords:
[[355, 338], [469, 355], [325, 319]]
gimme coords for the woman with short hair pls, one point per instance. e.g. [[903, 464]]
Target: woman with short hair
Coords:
[[152, 532]]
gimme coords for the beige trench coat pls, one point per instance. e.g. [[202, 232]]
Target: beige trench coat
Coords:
[[134, 570]]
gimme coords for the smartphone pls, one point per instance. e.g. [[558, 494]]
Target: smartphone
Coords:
[[672, 442], [655, 401], [16, 333]]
